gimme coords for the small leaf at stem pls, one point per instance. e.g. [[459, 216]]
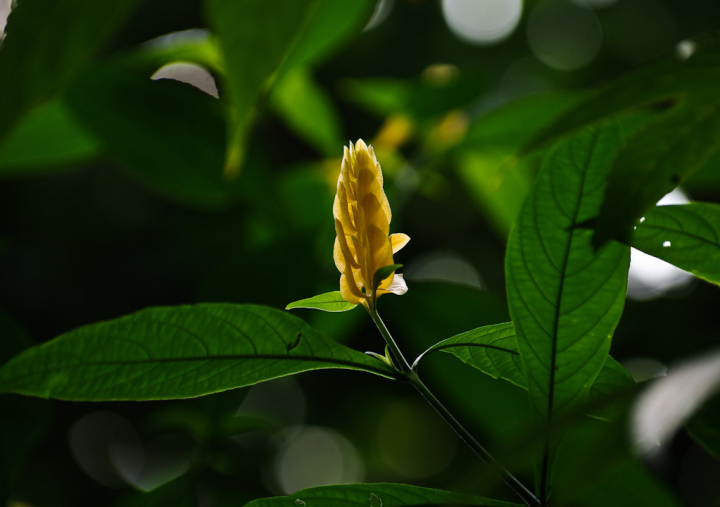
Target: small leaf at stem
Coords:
[[328, 302], [384, 272]]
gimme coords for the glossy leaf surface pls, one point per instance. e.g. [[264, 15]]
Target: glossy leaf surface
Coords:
[[687, 236], [374, 495], [177, 352]]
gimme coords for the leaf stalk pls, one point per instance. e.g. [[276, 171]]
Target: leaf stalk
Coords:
[[412, 377]]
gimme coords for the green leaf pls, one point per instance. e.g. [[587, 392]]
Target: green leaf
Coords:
[[328, 302], [687, 236], [662, 155], [47, 136], [493, 350], [259, 44], [47, 42], [704, 427], [177, 352], [565, 297], [384, 272], [309, 111], [387, 495], [167, 134]]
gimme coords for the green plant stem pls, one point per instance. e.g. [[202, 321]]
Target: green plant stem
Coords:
[[525, 494]]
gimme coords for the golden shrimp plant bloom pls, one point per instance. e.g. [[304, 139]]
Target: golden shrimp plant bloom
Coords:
[[362, 223]]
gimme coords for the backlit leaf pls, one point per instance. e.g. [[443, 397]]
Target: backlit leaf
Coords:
[[687, 236], [565, 298], [328, 302], [177, 352]]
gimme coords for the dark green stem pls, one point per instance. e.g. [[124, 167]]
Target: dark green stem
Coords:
[[412, 377]]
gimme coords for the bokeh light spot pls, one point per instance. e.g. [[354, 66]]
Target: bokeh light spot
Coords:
[[482, 22], [316, 456], [413, 441], [564, 36]]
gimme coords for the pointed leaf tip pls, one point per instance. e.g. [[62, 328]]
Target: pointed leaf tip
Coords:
[[328, 302]]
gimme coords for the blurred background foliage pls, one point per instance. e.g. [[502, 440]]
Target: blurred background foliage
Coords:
[[214, 181]]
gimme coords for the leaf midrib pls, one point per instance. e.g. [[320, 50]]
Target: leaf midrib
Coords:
[[563, 269], [210, 358], [684, 233]]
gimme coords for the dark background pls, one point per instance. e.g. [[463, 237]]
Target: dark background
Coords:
[[89, 240]]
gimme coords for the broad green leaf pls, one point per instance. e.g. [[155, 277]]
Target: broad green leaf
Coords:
[[660, 156], [177, 352], [374, 495], [494, 351], [565, 298], [309, 111], [260, 41], [704, 426], [328, 302], [687, 236], [47, 136], [168, 134], [46, 42]]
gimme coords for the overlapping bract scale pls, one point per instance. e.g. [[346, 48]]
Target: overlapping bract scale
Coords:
[[362, 224]]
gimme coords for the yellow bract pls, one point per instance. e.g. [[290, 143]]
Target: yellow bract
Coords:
[[362, 223]]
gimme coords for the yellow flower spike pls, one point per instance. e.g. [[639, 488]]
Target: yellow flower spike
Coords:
[[362, 223]]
